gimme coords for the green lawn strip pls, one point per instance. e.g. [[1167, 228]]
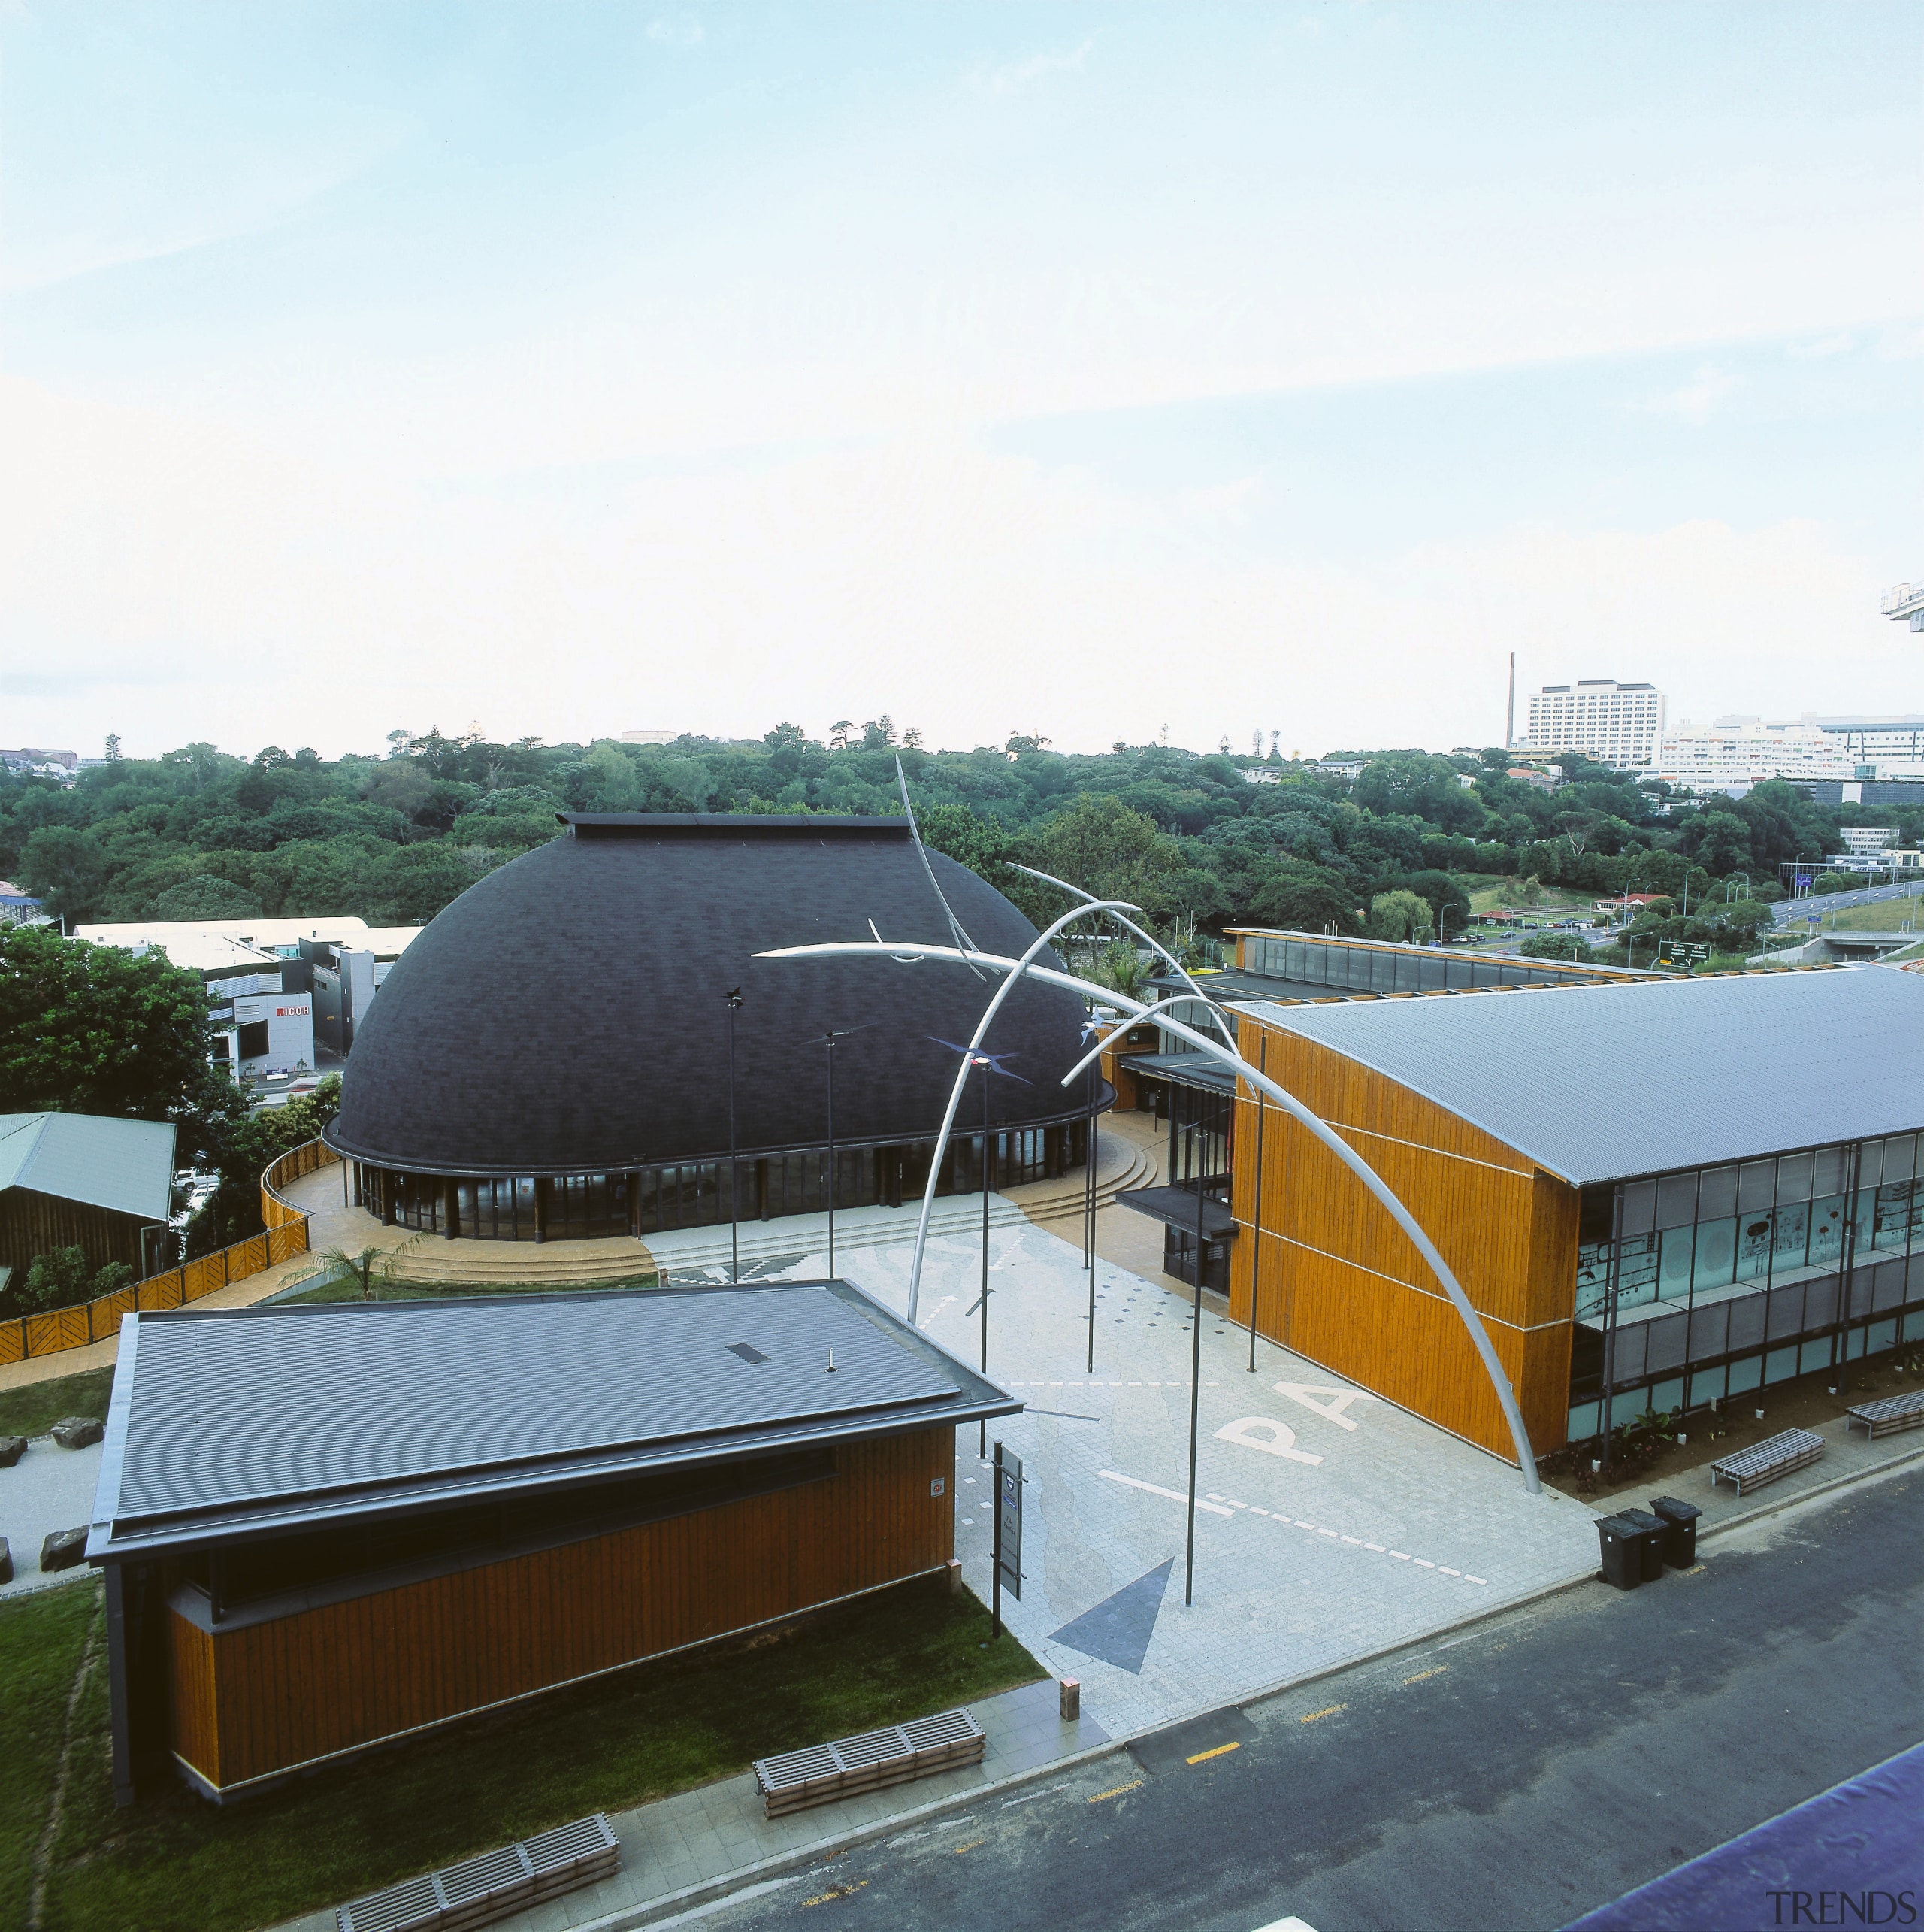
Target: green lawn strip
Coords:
[[42, 1636], [176, 1862], [34, 1407]]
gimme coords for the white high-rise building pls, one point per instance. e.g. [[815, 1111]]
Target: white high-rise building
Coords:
[[1619, 725]]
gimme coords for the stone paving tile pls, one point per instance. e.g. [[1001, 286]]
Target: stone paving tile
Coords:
[[1334, 1526]]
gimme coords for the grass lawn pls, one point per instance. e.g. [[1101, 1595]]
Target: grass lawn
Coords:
[[34, 1407], [174, 1864]]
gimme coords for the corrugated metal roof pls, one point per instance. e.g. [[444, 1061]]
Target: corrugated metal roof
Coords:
[[241, 1420], [125, 1165], [1598, 1083]]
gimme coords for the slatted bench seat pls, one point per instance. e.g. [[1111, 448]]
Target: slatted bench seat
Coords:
[[1765, 1461], [494, 1886], [797, 1780], [1889, 1414]]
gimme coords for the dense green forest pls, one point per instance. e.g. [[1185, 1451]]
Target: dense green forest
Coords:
[[201, 834]]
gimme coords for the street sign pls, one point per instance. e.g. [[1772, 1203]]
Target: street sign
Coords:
[[1009, 1522]]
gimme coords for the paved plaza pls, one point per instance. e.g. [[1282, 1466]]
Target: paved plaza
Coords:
[[1329, 1523]]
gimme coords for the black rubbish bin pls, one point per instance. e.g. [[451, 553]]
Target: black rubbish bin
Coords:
[[1680, 1536], [1622, 1548], [1651, 1532]]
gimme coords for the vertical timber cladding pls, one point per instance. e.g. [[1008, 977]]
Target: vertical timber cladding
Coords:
[[1344, 1285], [253, 1700]]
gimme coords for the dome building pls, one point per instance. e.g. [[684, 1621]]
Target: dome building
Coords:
[[550, 1058]]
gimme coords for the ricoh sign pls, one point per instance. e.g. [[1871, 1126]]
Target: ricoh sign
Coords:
[[290, 1012]]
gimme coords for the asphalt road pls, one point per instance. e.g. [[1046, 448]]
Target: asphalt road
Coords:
[[1516, 1775], [1793, 912]]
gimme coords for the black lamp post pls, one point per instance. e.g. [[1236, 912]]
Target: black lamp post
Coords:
[[1194, 1130], [734, 998]]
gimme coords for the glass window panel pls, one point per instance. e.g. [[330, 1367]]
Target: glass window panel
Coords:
[[1708, 1384], [1753, 1185], [1829, 1170], [1716, 1193], [1826, 1246], [1717, 1253], [1746, 1375], [1639, 1207], [1674, 1262], [1593, 1279], [1780, 1364], [1882, 1335], [1898, 1155], [1814, 1355], [1583, 1421], [1667, 1395], [1636, 1272], [1753, 1247], [1676, 1200], [1793, 1235], [1793, 1177], [1870, 1164]]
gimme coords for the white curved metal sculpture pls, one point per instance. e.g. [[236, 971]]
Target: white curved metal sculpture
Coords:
[[975, 1040], [1026, 967]]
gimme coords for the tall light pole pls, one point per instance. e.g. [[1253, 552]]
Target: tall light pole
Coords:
[[1194, 1130], [734, 998], [1089, 1198]]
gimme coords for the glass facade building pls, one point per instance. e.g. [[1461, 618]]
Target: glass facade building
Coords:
[[644, 1201], [1713, 1282]]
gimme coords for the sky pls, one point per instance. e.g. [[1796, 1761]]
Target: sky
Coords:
[[1086, 372]]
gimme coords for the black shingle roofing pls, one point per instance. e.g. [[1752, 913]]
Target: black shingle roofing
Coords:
[[565, 1014], [234, 1421]]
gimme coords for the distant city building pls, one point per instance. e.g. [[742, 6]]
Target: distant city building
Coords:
[[1262, 774], [650, 737], [276, 987], [1733, 754], [1904, 603], [33, 757], [1619, 725]]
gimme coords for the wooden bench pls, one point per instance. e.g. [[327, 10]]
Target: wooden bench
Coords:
[[1752, 1468], [797, 1780], [494, 1886], [1887, 1415]]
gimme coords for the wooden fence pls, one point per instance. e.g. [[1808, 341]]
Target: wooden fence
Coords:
[[98, 1321]]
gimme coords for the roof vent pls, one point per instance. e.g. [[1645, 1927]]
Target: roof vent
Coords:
[[748, 1353]]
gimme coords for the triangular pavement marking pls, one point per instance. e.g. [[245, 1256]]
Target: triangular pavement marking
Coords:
[[1117, 1630]]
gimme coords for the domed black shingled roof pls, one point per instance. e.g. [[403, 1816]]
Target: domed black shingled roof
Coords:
[[566, 1014]]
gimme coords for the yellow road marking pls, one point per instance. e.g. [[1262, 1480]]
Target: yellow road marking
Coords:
[[1330, 1711], [970, 1846], [1217, 1753], [1421, 1674], [840, 1891], [1136, 1785]]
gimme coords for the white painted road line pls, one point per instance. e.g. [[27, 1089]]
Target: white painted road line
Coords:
[[1157, 1489]]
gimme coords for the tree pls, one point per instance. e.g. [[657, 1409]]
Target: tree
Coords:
[[67, 868], [113, 751], [1400, 916], [206, 897], [90, 1029], [1571, 946], [1101, 846], [1303, 898], [838, 733], [61, 1278]]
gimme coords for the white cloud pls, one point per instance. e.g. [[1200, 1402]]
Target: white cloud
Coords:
[[1696, 401], [684, 30], [1015, 75]]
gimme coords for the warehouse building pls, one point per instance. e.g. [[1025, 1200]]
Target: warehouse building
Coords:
[[1657, 1195], [535, 1490], [553, 1056], [85, 1181]]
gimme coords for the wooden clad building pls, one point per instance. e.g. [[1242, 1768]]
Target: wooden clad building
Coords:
[[400, 1514], [85, 1181], [1654, 1195]]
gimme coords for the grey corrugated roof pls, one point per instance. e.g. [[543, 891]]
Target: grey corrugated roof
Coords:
[[125, 1165], [1598, 1083], [244, 1419]]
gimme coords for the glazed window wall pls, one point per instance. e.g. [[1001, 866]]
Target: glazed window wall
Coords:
[[1382, 969], [1711, 1282], [694, 1194]]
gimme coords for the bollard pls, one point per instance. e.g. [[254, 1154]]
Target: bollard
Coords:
[[1071, 1699], [954, 1567]]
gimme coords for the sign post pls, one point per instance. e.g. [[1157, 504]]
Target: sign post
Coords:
[[1008, 1552]]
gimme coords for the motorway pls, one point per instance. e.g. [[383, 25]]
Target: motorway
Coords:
[[1787, 912], [1516, 1775]]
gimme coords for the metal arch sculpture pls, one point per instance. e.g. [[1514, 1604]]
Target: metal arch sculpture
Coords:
[[975, 1040], [1026, 967]]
